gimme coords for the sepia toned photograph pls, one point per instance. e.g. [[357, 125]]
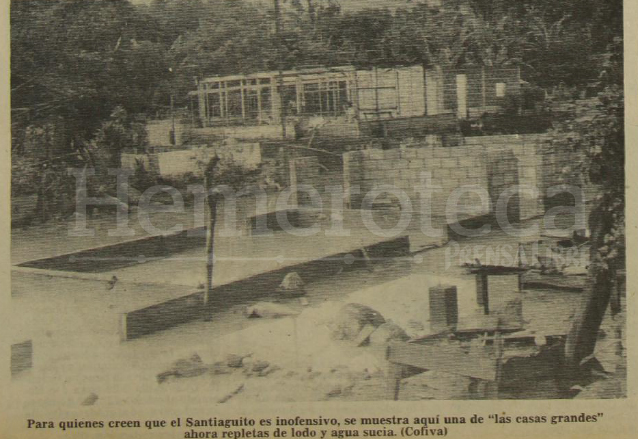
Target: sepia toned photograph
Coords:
[[232, 202]]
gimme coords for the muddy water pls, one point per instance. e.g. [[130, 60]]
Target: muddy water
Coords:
[[77, 351]]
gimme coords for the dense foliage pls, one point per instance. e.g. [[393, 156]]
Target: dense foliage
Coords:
[[87, 68], [82, 58]]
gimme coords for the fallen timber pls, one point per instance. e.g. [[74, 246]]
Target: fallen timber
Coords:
[[495, 363], [570, 283], [495, 356]]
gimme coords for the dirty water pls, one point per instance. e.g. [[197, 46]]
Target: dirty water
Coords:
[[78, 351]]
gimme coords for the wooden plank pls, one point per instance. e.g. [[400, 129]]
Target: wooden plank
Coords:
[[445, 358], [494, 270], [535, 280], [394, 373]]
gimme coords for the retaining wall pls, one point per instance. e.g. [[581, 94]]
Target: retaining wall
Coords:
[[189, 307]]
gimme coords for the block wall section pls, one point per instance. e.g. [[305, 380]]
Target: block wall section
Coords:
[[526, 168], [306, 172], [454, 174]]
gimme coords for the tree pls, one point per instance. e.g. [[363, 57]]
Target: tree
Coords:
[[220, 176], [594, 129], [116, 134]]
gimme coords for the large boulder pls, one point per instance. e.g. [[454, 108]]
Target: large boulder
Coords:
[[352, 318]]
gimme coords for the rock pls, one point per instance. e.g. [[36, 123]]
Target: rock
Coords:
[[540, 340], [268, 371], [351, 319], [260, 365], [190, 367], [388, 332], [292, 285], [269, 310], [90, 400], [236, 361], [184, 368], [111, 283]]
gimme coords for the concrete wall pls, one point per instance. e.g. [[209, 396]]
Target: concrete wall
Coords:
[[514, 160], [189, 307], [534, 166], [159, 132], [183, 161], [450, 168], [494, 163], [246, 132], [175, 163]]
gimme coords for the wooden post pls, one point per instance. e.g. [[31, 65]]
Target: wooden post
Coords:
[[211, 201], [493, 386], [280, 76], [393, 378], [210, 257], [482, 293], [242, 93], [483, 89], [299, 94], [258, 102], [520, 265], [206, 106], [398, 85], [292, 168], [173, 137]]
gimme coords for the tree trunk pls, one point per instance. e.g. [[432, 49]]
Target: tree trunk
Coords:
[[581, 340], [210, 256], [211, 201]]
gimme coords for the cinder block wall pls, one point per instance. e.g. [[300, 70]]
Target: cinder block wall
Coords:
[[538, 167], [515, 160], [405, 169], [494, 163]]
